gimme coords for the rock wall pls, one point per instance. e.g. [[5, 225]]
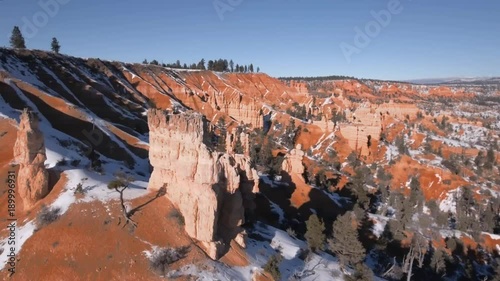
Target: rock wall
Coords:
[[213, 191], [292, 164], [29, 153]]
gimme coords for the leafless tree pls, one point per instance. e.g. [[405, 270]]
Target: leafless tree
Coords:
[[418, 249], [120, 184], [305, 272]]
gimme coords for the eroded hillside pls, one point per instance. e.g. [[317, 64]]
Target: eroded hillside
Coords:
[[319, 147]]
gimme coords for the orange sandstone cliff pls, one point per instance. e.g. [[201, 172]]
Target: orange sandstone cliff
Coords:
[[29, 152], [209, 188]]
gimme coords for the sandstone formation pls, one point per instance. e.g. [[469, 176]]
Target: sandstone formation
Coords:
[[292, 164], [232, 139], [213, 191], [29, 153]]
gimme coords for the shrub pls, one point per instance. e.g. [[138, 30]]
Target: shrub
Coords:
[[315, 234], [291, 232], [62, 162], [162, 258], [451, 165], [361, 273], [175, 214], [79, 189], [273, 266], [75, 162], [48, 216]]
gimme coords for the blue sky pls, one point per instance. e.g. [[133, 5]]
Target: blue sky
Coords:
[[425, 39]]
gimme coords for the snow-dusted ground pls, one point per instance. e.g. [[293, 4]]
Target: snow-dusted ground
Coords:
[[379, 223], [319, 267], [449, 204], [22, 233], [95, 184]]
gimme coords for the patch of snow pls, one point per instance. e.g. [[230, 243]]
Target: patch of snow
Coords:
[[22, 234], [379, 224], [392, 152], [449, 204]]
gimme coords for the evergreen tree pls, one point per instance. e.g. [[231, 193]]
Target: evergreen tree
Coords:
[[201, 64], [399, 142], [345, 242], [221, 140], [315, 233], [231, 65], [250, 68], [258, 69], [490, 158], [438, 263], [210, 65], [238, 148], [145, 61], [416, 196], [237, 68], [17, 39], [246, 69], [361, 177], [361, 273], [55, 46], [467, 217], [290, 133]]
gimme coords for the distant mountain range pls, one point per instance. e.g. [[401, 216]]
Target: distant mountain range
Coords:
[[457, 80]]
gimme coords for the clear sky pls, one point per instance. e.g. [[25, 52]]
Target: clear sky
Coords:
[[423, 38]]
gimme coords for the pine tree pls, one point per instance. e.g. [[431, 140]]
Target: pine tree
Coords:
[[315, 233], [250, 68], [416, 196], [490, 158], [221, 140], [258, 69], [438, 263], [17, 39], [238, 147], [231, 65], [201, 64], [345, 242], [55, 45], [361, 273]]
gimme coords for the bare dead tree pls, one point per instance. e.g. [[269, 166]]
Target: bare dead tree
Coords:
[[390, 270], [418, 249], [299, 275], [120, 184]]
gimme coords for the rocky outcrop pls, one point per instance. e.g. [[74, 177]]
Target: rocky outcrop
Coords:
[[213, 191], [292, 164], [232, 139], [29, 153]]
